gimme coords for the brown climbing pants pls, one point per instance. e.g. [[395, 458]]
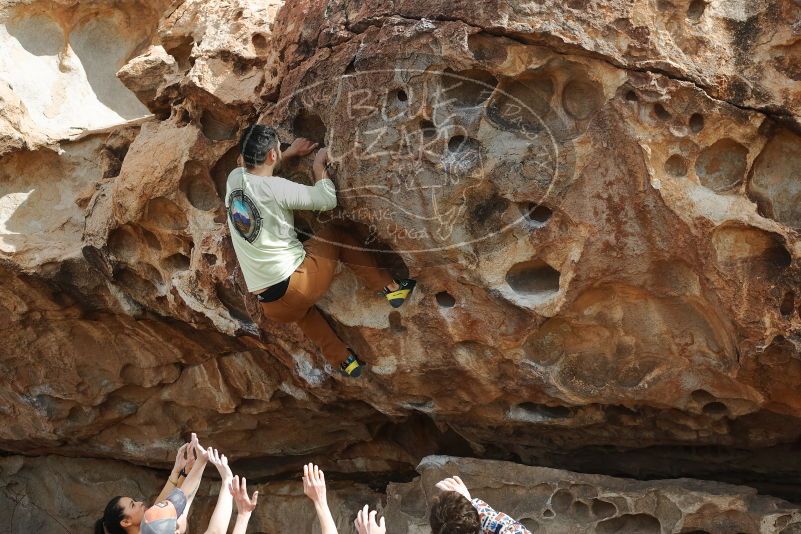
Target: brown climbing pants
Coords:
[[311, 280]]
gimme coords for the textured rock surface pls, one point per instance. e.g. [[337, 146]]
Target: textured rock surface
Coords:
[[53, 494], [545, 500], [600, 201], [554, 501]]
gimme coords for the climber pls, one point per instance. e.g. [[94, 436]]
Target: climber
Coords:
[[287, 276], [455, 512], [123, 515]]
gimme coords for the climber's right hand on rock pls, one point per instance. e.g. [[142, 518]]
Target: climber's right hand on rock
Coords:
[[454, 484], [320, 161]]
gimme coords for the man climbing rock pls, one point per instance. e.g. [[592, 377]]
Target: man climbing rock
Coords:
[[287, 276]]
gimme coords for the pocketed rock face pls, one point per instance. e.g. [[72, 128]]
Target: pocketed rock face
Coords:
[[598, 200], [554, 501], [544, 500]]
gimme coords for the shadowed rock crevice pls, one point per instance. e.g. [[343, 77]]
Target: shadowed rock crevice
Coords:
[[533, 277]]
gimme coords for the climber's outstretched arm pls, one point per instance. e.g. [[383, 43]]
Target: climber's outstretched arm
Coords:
[[192, 482], [218, 524], [314, 488], [244, 504], [184, 459]]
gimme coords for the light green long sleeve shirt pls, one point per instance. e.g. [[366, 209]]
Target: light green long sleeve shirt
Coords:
[[262, 223]]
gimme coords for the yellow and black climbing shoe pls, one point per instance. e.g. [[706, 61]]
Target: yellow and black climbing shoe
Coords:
[[399, 296], [352, 366]]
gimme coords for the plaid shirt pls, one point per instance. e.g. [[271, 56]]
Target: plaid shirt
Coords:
[[493, 522]]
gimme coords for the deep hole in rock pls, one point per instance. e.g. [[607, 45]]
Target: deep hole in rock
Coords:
[[428, 129], [773, 180], [545, 411], [696, 122], [122, 242], [198, 187], [445, 299], [778, 256], [530, 523], [603, 509], [114, 153], [486, 216], [561, 501], [181, 50], [788, 304], [469, 88], [533, 90], [401, 95], [676, 166], [533, 277], [135, 283], [581, 98], [722, 165], [165, 213], [715, 408], [660, 112], [221, 169], [631, 96], [210, 259], [547, 513], [176, 262], [233, 302], [151, 239], [485, 47], [182, 117], [385, 254], [696, 9], [457, 143], [216, 128], [630, 524], [310, 126], [701, 396], [538, 214], [259, 41], [152, 274], [580, 511]]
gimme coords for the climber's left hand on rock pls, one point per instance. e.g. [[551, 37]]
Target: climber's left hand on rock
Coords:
[[300, 147]]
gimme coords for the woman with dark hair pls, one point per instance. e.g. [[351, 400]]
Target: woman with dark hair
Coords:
[[124, 515], [288, 277]]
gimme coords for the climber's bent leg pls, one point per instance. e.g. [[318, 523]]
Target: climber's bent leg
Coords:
[[334, 242], [361, 261], [335, 351]]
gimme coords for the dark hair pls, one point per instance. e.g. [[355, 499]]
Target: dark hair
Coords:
[[112, 515], [452, 513], [256, 142]]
